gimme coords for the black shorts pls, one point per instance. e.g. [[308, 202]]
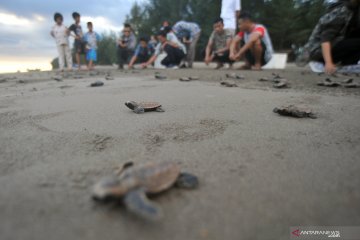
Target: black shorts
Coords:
[[80, 47], [251, 59]]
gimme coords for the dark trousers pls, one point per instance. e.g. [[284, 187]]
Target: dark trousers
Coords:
[[347, 52], [224, 58], [124, 55], [143, 58], [251, 58], [174, 56]]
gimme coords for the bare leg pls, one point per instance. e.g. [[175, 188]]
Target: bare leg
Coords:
[[78, 60], [90, 66], [257, 51]]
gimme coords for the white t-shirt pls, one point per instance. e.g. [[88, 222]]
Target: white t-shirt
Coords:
[[60, 34], [171, 37], [228, 12]]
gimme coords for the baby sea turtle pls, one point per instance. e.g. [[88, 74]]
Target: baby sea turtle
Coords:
[[134, 183], [234, 76], [143, 107], [188, 79], [160, 76], [328, 83], [294, 111], [228, 84], [97, 84], [280, 83], [57, 78]]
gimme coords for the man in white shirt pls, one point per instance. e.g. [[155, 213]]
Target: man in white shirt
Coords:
[[230, 10], [169, 44]]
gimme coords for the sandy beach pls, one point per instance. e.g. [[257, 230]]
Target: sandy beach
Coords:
[[259, 173]]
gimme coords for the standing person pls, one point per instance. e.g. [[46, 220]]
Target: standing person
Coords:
[[61, 35], [195, 32], [165, 24], [143, 52], [79, 45], [230, 11], [175, 53], [91, 38], [126, 45], [218, 46], [336, 37], [257, 48]]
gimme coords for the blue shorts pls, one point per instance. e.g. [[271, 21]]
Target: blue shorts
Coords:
[[91, 55]]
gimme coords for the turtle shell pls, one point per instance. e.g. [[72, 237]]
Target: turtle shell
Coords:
[[153, 177], [294, 111], [149, 105]]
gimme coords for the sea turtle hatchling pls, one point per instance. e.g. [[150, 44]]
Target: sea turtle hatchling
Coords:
[[143, 107], [134, 183], [294, 111], [328, 83], [228, 84], [234, 76]]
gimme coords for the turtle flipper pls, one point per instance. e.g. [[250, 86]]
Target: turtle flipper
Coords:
[[187, 180], [160, 109], [139, 110], [137, 202]]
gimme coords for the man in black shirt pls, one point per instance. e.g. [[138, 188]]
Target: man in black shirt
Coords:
[[79, 44]]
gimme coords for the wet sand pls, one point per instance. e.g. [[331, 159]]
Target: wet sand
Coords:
[[259, 173]]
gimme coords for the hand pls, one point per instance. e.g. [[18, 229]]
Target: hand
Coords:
[[163, 46], [144, 65], [232, 56], [208, 60], [330, 68]]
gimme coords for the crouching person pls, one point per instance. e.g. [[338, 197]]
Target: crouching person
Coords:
[[143, 52], [174, 50], [217, 49], [336, 38], [252, 43], [126, 45]]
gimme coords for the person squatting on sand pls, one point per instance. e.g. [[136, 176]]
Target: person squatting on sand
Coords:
[[169, 44], [252, 43], [218, 47], [126, 45], [143, 52], [336, 38], [61, 35]]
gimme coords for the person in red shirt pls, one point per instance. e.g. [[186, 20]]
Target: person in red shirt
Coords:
[[252, 43]]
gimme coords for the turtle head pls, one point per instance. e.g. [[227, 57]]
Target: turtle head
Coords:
[[109, 188], [132, 105]]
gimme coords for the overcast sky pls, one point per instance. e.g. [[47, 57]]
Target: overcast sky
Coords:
[[25, 24]]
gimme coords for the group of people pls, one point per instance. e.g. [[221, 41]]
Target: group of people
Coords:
[[84, 43], [335, 40]]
